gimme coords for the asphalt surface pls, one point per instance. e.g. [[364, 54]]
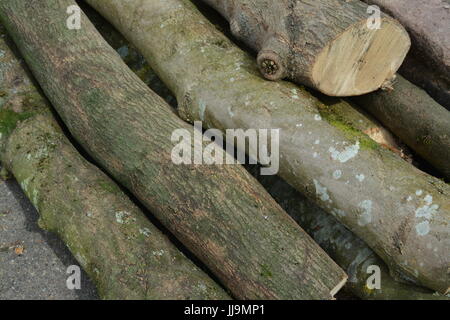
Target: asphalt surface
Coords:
[[33, 262]]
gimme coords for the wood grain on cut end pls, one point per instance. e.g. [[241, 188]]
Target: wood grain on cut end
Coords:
[[360, 60]]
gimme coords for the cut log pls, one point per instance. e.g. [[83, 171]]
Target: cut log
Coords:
[[350, 252], [219, 212], [125, 255], [415, 118], [326, 45], [428, 23], [400, 212]]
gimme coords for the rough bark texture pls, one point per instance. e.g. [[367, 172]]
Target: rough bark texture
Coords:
[[400, 212], [414, 117], [338, 241], [428, 23], [219, 212], [351, 253], [125, 255], [430, 79], [324, 44]]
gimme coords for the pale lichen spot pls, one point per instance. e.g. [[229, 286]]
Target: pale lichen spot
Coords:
[[321, 191], [317, 141], [423, 228], [366, 216], [360, 177], [409, 198], [158, 253], [337, 174], [419, 192], [317, 117], [428, 199], [145, 231], [315, 155], [428, 210], [123, 217], [299, 125], [345, 155]]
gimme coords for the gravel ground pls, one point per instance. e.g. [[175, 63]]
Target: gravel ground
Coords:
[[39, 272]]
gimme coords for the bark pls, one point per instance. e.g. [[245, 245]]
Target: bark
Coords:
[[400, 212], [124, 254], [429, 79], [415, 118], [326, 45], [341, 244], [350, 252], [428, 23], [219, 212]]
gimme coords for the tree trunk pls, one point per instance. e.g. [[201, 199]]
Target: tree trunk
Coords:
[[326, 45], [219, 212], [351, 253], [400, 212], [429, 79], [124, 254], [414, 117], [428, 23]]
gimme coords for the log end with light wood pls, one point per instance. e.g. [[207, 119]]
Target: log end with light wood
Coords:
[[328, 45]]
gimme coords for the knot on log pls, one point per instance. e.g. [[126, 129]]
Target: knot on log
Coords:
[[270, 65]]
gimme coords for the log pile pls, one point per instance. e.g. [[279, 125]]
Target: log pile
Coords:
[[367, 174]]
